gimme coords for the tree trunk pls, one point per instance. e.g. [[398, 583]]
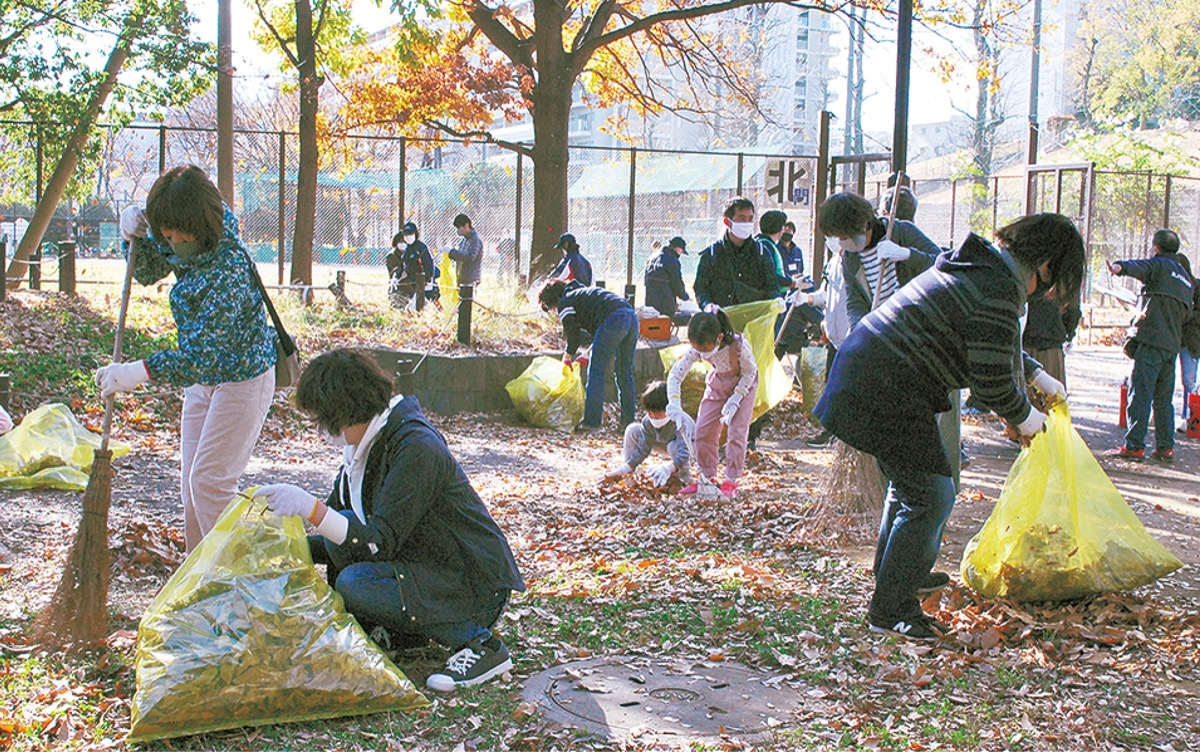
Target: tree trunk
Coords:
[[551, 110], [70, 158], [981, 158], [306, 182]]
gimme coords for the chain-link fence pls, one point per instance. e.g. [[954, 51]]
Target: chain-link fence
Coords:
[[621, 201]]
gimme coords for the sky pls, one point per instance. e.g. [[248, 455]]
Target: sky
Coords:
[[930, 99]]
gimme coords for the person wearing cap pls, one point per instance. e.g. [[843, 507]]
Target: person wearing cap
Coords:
[[664, 279], [409, 268], [573, 265]]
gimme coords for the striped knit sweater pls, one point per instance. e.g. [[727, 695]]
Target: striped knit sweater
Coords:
[[954, 326]]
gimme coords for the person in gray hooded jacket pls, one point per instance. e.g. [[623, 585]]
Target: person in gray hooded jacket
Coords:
[[656, 432]]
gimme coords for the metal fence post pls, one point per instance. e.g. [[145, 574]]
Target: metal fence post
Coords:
[[6, 391], [281, 247], [66, 267], [1167, 203], [630, 290], [162, 149], [35, 269], [37, 192], [4, 268], [995, 202], [822, 189], [741, 165], [953, 206], [517, 229], [465, 294], [400, 182]]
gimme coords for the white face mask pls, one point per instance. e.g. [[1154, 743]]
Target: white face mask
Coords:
[[410, 238], [741, 230], [855, 244], [659, 422], [706, 355], [336, 439]]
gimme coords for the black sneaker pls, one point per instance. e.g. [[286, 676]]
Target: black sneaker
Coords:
[[914, 628], [934, 582], [821, 440], [474, 664]]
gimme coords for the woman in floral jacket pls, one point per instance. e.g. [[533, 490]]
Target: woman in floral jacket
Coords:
[[226, 350]]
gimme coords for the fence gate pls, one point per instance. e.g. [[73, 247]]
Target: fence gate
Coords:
[[1066, 189]]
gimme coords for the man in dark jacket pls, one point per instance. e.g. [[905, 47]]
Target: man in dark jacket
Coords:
[[849, 219], [1168, 292], [1048, 326], [580, 270], [954, 326], [409, 268], [734, 269], [664, 278], [409, 544]]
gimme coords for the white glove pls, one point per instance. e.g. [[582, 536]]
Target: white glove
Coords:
[[133, 223], [675, 412], [287, 500], [1034, 423], [121, 377], [660, 474], [729, 410], [6, 423], [620, 471], [890, 251], [1046, 383]]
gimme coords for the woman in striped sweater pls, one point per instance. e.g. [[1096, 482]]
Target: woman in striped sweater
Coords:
[[954, 326]]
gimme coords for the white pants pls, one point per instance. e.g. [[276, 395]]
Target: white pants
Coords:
[[218, 431]]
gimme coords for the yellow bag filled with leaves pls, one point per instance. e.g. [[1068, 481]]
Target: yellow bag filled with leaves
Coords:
[[1061, 529], [50, 449], [756, 322], [247, 633], [549, 394], [692, 390]]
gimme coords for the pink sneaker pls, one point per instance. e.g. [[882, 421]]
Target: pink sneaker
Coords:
[[689, 490], [729, 488]]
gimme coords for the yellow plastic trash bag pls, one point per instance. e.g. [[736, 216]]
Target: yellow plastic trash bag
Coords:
[[756, 321], [448, 283], [50, 449], [1061, 529], [247, 633], [811, 364], [549, 394], [692, 390]]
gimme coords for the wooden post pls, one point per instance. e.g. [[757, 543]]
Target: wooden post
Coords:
[[66, 267], [35, 269], [5, 390], [465, 295]]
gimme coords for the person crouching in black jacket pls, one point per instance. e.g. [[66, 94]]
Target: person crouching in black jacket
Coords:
[[409, 544]]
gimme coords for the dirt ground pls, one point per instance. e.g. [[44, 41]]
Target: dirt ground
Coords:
[[498, 453]]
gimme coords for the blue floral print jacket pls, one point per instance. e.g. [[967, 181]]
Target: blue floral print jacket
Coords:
[[223, 331]]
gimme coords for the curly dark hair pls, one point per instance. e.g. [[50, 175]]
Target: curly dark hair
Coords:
[[1039, 238], [844, 215], [551, 293], [184, 199], [343, 388]]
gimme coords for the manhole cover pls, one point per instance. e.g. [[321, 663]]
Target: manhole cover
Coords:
[[639, 697]]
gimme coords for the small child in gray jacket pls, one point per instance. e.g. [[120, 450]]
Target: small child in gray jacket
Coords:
[[657, 433]]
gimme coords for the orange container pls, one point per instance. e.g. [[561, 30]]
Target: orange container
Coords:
[[657, 328]]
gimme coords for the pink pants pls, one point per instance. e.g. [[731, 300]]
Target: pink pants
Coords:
[[708, 427]]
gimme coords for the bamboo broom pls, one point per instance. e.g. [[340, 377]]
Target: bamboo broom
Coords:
[[851, 499], [77, 616]]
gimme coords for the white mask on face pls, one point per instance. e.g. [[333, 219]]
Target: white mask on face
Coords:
[[659, 422], [741, 230], [855, 244], [410, 238], [706, 355], [335, 439]]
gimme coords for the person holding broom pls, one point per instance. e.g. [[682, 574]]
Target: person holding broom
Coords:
[[226, 350], [954, 326]]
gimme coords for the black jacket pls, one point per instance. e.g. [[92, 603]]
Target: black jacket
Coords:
[[424, 517], [664, 282], [728, 275], [583, 309], [411, 267], [581, 269], [1048, 325], [1169, 294]]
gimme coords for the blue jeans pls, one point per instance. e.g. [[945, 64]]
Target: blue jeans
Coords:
[[1153, 382], [612, 347], [1187, 374], [372, 595], [915, 511]]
